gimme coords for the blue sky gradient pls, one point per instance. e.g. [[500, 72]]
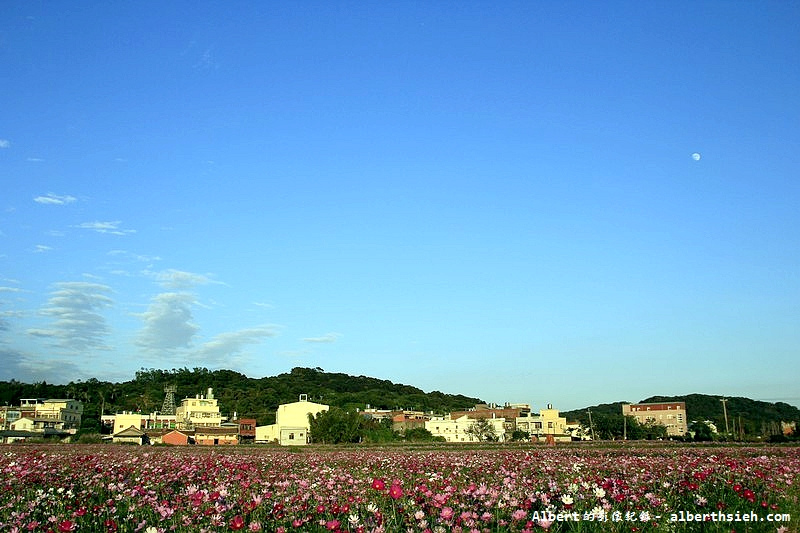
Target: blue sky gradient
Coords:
[[494, 199]]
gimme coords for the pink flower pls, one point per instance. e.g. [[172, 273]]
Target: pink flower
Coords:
[[378, 484], [396, 491], [519, 514], [66, 525], [236, 523], [446, 513]]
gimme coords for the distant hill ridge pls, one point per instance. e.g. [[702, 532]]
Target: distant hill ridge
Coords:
[[248, 397], [753, 416]]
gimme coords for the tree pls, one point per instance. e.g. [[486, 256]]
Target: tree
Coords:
[[482, 430], [520, 436], [702, 431], [420, 434], [335, 426]]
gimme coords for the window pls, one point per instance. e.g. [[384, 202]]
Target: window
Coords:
[[291, 436]]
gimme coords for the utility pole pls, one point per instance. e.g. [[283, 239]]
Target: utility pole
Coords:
[[591, 426], [725, 412]]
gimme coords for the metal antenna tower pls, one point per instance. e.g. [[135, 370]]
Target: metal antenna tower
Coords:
[[169, 400]]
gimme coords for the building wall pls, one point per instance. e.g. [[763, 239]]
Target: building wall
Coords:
[[547, 422], [175, 438], [23, 424], [669, 414], [247, 427], [455, 430], [291, 425], [200, 411], [125, 420], [215, 438]]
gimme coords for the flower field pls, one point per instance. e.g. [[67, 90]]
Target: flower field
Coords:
[[569, 488]]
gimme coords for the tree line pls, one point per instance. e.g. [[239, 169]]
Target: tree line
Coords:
[[256, 398]]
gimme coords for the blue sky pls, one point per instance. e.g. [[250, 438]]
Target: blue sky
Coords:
[[493, 199]]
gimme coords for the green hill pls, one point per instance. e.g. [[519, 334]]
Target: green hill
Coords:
[[249, 397], [746, 418]]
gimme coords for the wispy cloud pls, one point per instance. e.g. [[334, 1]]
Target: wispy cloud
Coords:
[[179, 279], [168, 322], [29, 368], [34, 159], [327, 338], [5, 143], [111, 228], [226, 345], [41, 248], [10, 289], [77, 325], [137, 257], [54, 199]]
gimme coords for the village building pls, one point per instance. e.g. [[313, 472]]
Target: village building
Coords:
[[198, 412], [461, 429], [548, 424], [291, 425], [130, 435], [672, 415]]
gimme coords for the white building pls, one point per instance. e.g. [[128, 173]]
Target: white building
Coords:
[[458, 430], [291, 425]]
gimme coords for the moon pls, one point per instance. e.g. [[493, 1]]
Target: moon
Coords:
[[696, 156]]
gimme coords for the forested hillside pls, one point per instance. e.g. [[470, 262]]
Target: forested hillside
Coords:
[[248, 397], [746, 418]]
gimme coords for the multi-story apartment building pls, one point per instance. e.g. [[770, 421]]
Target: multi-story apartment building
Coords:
[[669, 414], [291, 425], [548, 422], [65, 414], [200, 411]]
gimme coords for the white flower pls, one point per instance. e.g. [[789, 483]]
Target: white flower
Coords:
[[599, 492], [566, 499]]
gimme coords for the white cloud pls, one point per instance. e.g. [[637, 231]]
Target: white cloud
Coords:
[[77, 326], [327, 338], [179, 279], [29, 368], [41, 248], [54, 199], [168, 322], [225, 345], [10, 289], [5, 143], [35, 159], [111, 228]]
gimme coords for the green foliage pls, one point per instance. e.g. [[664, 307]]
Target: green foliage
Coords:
[[249, 397], [420, 434], [482, 430], [519, 435], [747, 419], [702, 432], [336, 426]]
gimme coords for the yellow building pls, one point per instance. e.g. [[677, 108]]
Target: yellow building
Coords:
[[200, 411], [669, 414], [65, 413], [458, 429], [291, 425], [547, 422]]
